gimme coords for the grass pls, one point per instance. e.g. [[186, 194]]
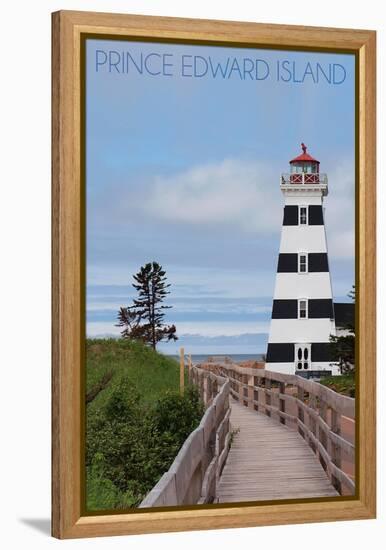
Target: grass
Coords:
[[150, 372], [136, 420], [344, 384]]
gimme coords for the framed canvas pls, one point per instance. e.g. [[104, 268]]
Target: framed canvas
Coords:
[[213, 274]]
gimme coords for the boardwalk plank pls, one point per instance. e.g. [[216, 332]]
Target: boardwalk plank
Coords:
[[268, 461]]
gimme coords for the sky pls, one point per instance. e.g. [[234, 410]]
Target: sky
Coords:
[[183, 164]]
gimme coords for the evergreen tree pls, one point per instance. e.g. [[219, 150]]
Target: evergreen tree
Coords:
[[144, 319], [342, 348]]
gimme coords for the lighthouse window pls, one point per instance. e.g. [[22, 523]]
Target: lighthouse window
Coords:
[[302, 309], [303, 215], [302, 264], [310, 168], [296, 168]]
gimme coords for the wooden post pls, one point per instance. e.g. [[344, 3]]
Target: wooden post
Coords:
[[240, 388], [205, 388], [335, 449], [182, 371], [281, 402], [268, 401], [190, 363], [251, 388], [312, 407], [323, 414], [300, 397]]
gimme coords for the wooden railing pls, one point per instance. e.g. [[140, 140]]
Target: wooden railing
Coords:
[[194, 474], [312, 409]]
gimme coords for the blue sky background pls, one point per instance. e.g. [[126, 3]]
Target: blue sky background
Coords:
[[186, 171]]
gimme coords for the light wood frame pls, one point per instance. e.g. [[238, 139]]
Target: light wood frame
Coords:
[[68, 520]]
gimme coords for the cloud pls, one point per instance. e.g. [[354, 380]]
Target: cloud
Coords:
[[186, 305], [232, 192], [244, 338], [102, 330], [342, 245], [246, 343], [99, 327], [245, 195], [215, 214], [340, 213]]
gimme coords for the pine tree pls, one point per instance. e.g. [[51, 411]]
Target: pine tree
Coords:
[[342, 348], [144, 319]]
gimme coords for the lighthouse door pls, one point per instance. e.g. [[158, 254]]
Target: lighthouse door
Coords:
[[302, 356]]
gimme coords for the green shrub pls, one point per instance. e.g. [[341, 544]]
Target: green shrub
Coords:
[[101, 491], [344, 384], [130, 445], [178, 415]]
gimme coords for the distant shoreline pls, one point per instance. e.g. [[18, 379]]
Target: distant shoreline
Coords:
[[203, 357]]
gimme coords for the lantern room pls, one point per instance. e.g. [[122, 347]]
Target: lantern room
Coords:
[[304, 169], [304, 163]]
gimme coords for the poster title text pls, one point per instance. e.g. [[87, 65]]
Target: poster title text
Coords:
[[156, 64]]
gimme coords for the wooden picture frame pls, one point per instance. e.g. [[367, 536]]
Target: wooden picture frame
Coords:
[[68, 517]]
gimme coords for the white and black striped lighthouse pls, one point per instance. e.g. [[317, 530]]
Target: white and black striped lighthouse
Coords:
[[303, 311]]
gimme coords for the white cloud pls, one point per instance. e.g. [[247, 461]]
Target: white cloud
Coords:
[[196, 280], [246, 194], [235, 192], [102, 329], [208, 329], [202, 305], [342, 245], [223, 328], [340, 215]]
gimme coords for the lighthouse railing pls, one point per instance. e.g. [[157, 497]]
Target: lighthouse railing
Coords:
[[319, 414], [304, 179]]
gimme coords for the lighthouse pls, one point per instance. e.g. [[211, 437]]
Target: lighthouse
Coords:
[[303, 310]]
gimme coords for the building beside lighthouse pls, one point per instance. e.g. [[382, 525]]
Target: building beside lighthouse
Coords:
[[303, 310]]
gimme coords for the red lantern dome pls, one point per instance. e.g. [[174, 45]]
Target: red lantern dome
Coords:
[[304, 157]]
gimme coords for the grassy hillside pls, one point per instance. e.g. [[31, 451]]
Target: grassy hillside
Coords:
[[150, 372], [136, 421]]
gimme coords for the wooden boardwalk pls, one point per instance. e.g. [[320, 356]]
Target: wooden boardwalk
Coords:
[[269, 461]]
